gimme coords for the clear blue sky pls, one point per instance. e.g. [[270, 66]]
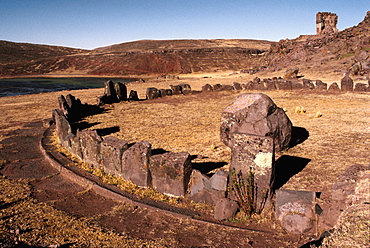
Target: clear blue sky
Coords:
[[95, 23]]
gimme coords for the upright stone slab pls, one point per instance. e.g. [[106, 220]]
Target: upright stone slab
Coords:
[[135, 164], [347, 83], [170, 172], [334, 88], [62, 126], [133, 96], [253, 156], [308, 85], [321, 86], [237, 86], [90, 142], [295, 210], [207, 87], [256, 113], [112, 151], [121, 91]]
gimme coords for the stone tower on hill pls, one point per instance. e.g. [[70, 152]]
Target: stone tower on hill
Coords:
[[326, 23]]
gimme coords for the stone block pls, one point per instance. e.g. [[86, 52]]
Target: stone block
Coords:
[[219, 180], [256, 114], [295, 210], [361, 87], [198, 182], [185, 88], [282, 84], [248, 85], [90, 142], [334, 88], [176, 89], [208, 196], [346, 83], [254, 155], [225, 209], [135, 164], [121, 91], [296, 85], [237, 86], [207, 87], [170, 173], [62, 127], [308, 85], [217, 87], [152, 93], [321, 86], [133, 96], [112, 151]]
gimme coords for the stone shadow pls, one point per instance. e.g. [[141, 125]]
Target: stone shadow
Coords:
[[82, 125], [207, 167], [299, 135], [107, 131], [286, 167]]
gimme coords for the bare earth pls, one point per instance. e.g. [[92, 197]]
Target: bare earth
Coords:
[[338, 139]]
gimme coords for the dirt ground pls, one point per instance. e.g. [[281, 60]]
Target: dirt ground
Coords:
[[40, 208]]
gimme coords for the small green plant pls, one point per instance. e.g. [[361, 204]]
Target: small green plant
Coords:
[[243, 191]]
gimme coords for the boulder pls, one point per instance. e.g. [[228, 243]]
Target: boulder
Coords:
[[165, 92], [296, 210], [133, 96], [308, 85], [321, 86], [296, 85], [110, 94], [112, 151], [207, 87], [347, 83], [91, 147], [217, 87], [256, 113], [237, 86], [334, 88], [121, 91], [176, 89], [135, 164], [185, 88], [361, 87], [170, 172], [152, 93], [225, 209]]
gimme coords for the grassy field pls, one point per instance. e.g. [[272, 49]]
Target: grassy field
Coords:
[[337, 139]]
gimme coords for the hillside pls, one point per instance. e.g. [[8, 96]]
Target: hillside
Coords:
[[342, 52], [338, 53]]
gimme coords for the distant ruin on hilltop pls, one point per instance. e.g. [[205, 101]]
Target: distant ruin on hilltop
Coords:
[[326, 23]]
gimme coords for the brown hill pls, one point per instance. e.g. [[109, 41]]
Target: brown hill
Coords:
[[342, 52], [338, 53]]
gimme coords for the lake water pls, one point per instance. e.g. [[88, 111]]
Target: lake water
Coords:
[[24, 86]]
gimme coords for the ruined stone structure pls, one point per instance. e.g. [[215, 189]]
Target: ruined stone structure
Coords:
[[326, 23]]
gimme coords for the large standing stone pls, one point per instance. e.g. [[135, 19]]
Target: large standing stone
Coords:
[[133, 96], [237, 86], [295, 210], [170, 172], [112, 151], [176, 89], [256, 114], [253, 156], [207, 87], [91, 147], [135, 164], [347, 83], [121, 91], [308, 85], [62, 126]]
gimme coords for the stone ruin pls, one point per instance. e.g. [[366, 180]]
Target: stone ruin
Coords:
[[326, 23], [252, 126]]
